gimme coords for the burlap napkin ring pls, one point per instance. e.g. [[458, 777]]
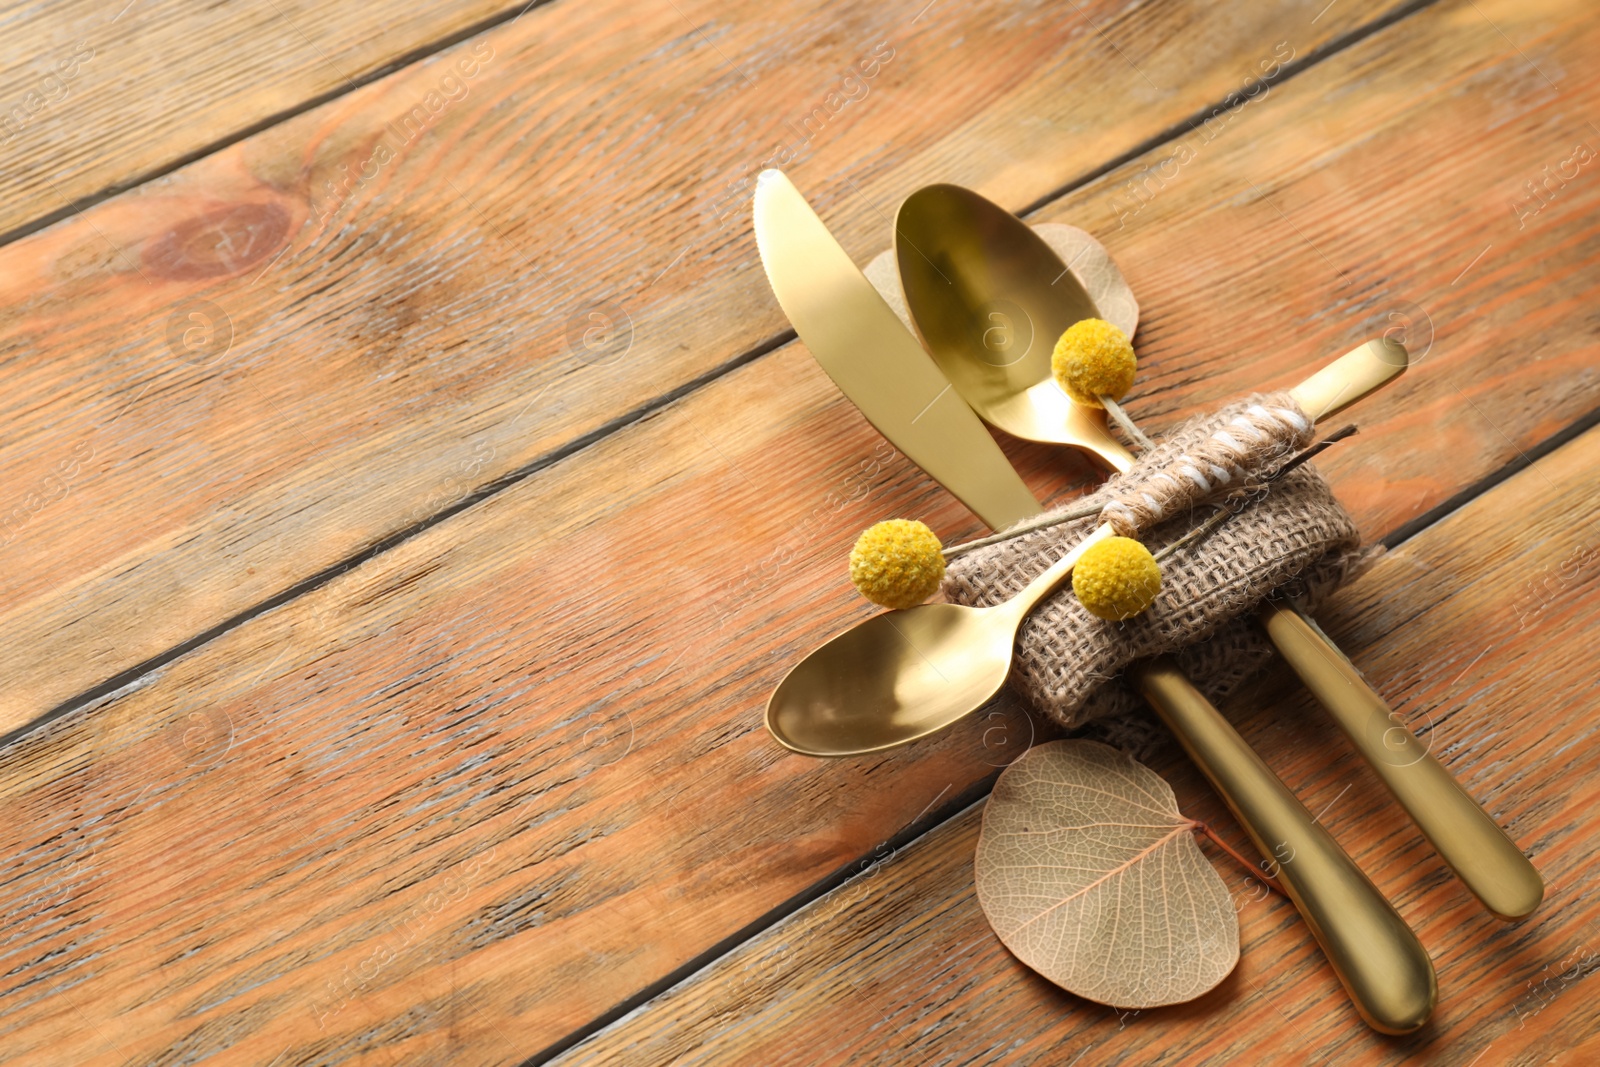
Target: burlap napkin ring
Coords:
[[1289, 536]]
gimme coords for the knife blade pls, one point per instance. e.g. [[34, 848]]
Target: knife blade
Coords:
[[876, 362]]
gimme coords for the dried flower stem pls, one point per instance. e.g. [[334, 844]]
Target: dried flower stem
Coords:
[[1348, 430], [1044, 522], [1221, 516], [1121, 418]]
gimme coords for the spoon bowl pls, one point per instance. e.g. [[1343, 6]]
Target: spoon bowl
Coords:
[[990, 297], [935, 664]]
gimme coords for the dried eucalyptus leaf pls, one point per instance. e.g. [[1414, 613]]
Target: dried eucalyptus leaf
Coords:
[[884, 274], [1096, 271], [1090, 875]]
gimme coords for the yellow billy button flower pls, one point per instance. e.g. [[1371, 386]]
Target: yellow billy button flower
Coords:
[[1117, 579], [1092, 359], [897, 563]]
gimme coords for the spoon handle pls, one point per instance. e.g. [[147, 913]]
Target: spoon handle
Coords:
[[1021, 605], [1476, 848], [1376, 956]]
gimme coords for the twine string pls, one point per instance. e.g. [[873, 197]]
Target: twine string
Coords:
[[1178, 479]]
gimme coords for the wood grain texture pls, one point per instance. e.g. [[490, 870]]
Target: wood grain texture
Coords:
[[1483, 633], [389, 308], [96, 96], [473, 793], [490, 783]]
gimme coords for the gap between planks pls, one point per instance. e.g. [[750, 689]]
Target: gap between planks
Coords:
[[1195, 121], [132, 676], [968, 799]]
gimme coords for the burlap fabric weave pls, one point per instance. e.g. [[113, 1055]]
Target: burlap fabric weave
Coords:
[[1291, 537]]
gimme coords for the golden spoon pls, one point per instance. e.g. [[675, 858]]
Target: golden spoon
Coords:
[[989, 297], [903, 675], [989, 307]]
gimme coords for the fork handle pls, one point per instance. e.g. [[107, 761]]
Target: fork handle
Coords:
[[1376, 956], [1487, 861]]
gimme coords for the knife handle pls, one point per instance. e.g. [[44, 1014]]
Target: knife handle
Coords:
[[1376, 956], [1487, 861]]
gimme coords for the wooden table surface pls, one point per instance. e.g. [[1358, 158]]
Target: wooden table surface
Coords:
[[386, 654]]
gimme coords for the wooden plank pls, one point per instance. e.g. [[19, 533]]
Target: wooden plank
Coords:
[[96, 97], [426, 336], [492, 782], [465, 798], [1483, 631]]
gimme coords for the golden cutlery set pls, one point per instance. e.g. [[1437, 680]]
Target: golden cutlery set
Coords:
[[905, 674]]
